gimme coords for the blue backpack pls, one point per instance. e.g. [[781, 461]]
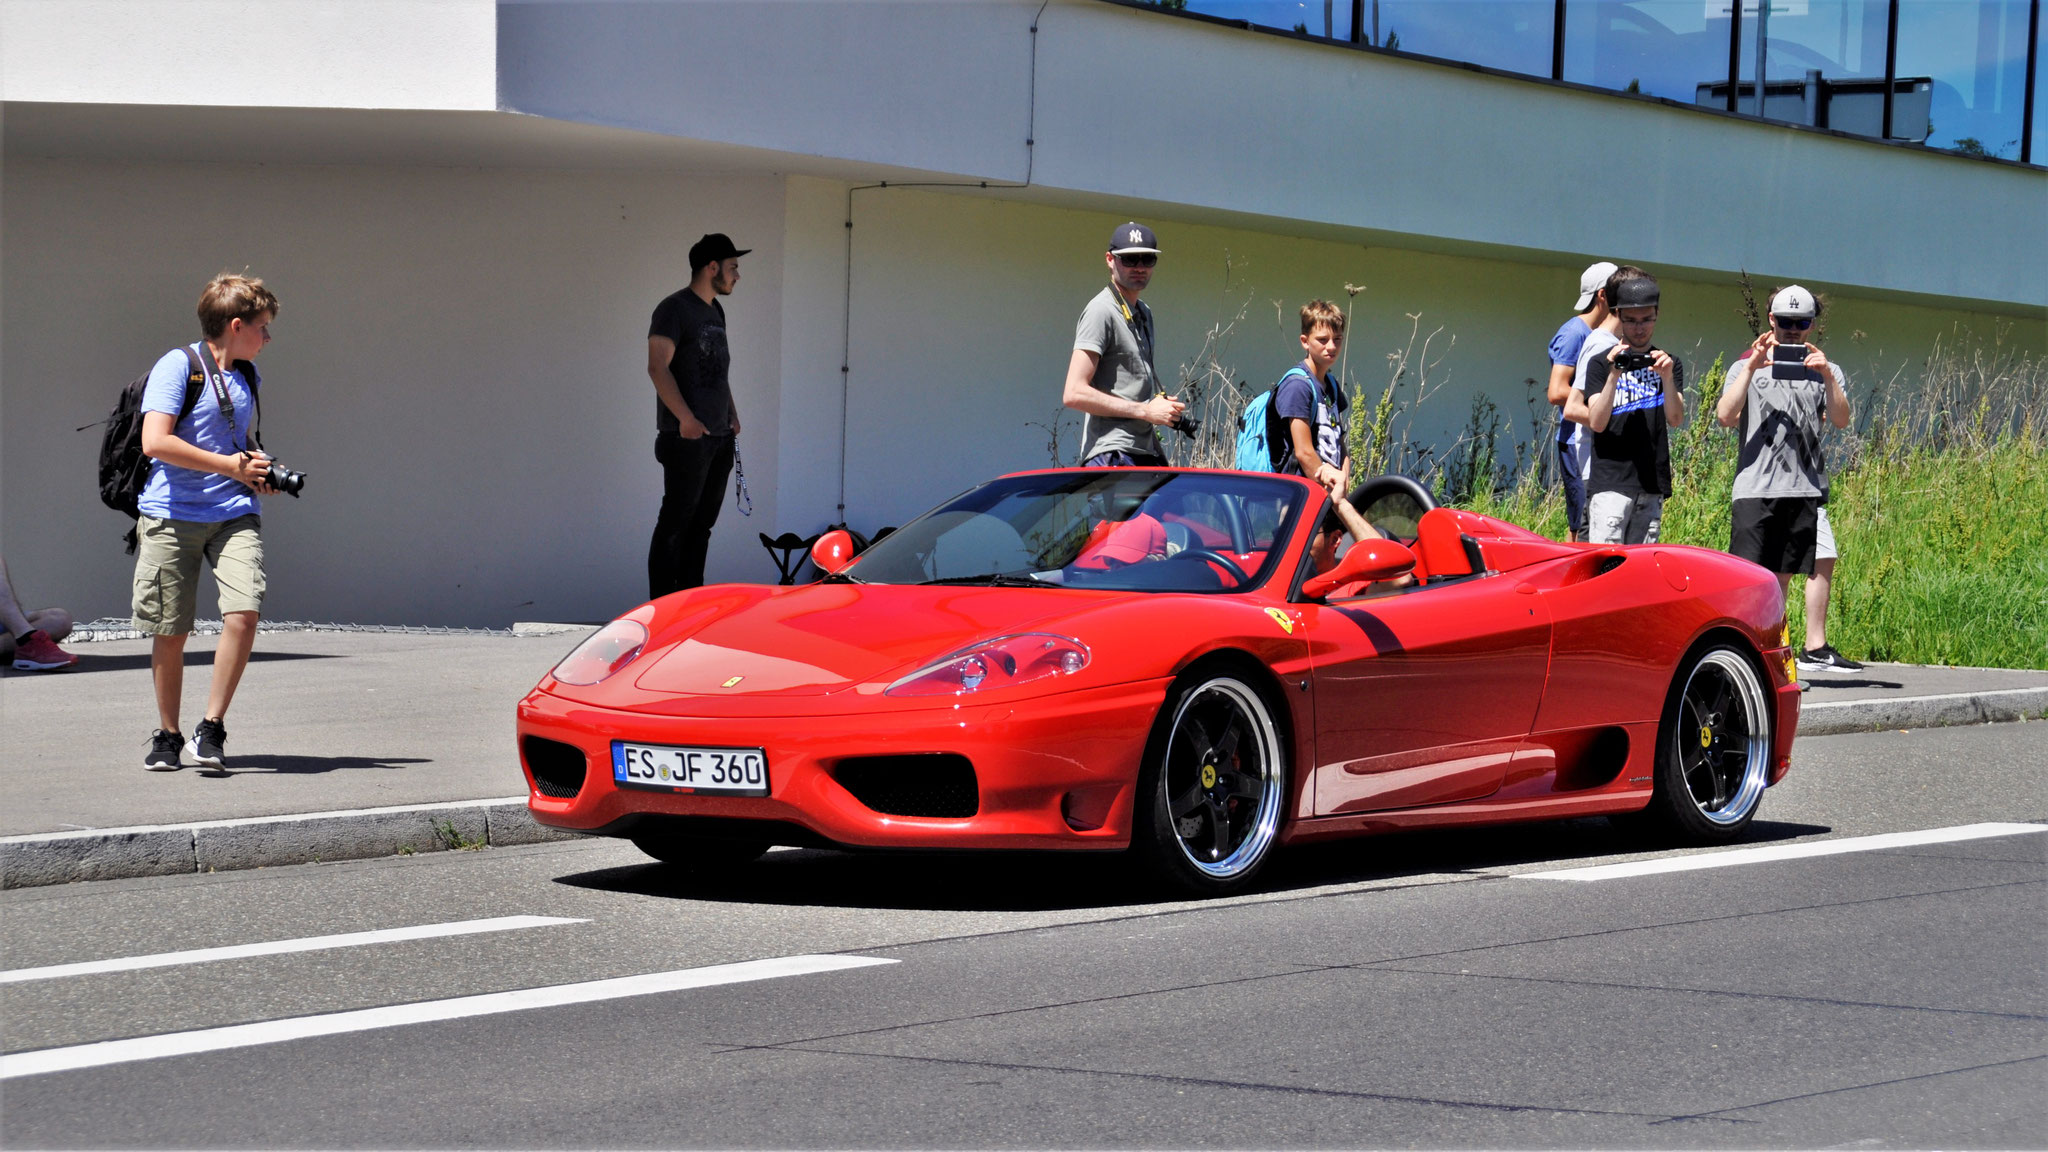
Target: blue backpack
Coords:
[[1254, 434], [1256, 449]]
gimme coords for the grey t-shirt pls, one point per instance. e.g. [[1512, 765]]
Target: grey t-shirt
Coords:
[[1124, 369], [1782, 423]]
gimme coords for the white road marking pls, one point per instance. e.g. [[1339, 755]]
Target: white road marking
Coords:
[[105, 1052], [279, 947], [1787, 852]]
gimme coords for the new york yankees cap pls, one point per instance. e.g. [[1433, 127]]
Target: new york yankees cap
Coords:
[[1132, 236]]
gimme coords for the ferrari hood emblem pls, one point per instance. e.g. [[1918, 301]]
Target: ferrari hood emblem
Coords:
[[1281, 618], [731, 682]]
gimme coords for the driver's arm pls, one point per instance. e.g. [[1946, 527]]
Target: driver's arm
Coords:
[[1354, 524]]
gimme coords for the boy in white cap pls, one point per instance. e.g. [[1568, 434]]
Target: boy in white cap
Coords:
[[1590, 313], [1781, 410]]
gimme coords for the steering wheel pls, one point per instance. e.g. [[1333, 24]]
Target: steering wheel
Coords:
[[1219, 559], [1392, 502]]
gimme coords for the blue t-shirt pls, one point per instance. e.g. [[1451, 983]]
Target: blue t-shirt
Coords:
[[175, 493], [1564, 349], [1297, 398]]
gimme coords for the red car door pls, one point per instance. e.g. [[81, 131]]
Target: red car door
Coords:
[[1423, 697]]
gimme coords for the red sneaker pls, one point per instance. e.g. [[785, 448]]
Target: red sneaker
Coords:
[[36, 652]]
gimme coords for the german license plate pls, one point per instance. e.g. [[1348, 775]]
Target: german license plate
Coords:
[[667, 768]]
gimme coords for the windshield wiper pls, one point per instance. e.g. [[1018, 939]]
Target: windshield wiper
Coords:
[[995, 580]]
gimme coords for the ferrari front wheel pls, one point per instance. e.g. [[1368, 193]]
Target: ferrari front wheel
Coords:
[[1713, 748], [1210, 798]]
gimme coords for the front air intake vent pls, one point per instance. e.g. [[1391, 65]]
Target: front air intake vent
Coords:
[[557, 768], [937, 784]]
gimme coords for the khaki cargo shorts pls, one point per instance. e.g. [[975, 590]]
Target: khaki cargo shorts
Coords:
[[167, 570]]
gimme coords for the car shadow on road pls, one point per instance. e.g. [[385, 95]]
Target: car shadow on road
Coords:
[[1850, 682], [1058, 881]]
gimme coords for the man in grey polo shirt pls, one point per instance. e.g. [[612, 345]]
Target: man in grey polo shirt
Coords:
[[1110, 379]]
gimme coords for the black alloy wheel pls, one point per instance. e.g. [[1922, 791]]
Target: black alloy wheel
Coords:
[[1210, 801], [1713, 748]]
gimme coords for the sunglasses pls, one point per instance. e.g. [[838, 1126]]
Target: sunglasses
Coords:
[[1790, 324], [1137, 259]]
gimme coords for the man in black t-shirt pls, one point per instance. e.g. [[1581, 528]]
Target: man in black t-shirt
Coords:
[[694, 417], [1630, 396]]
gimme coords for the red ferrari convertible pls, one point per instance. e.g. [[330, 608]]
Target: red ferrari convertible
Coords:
[[1147, 660]]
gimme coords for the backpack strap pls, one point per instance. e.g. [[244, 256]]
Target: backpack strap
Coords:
[[248, 372], [193, 380]]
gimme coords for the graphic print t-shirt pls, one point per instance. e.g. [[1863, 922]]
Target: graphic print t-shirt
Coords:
[[1633, 456], [1297, 397], [1782, 424], [700, 362]]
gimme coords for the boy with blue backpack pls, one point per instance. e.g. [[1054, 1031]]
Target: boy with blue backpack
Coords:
[[1304, 421]]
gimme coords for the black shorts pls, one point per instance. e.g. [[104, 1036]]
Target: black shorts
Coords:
[[1776, 533]]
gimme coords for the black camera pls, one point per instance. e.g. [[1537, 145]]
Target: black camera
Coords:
[[1631, 361], [1186, 425], [286, 481]]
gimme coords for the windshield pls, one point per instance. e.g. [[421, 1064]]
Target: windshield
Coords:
[[1120, 528]]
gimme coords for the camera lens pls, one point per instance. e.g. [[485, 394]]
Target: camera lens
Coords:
[[287, 481]]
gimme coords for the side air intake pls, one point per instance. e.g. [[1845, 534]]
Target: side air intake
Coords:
[[557, 768]]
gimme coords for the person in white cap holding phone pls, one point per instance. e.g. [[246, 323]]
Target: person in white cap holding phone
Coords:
[[1780, 397]]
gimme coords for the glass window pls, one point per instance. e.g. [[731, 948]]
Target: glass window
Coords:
[[1331, 18], [1511, 35], [2038, 154], [1823, 62], [1677, 49], [1974, 53], [1121, 528]]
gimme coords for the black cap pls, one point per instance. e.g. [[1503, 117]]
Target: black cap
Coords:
[[1132, 236], [712, 249], [1634, 292]]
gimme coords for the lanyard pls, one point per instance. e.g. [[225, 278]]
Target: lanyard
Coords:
[[218, 379], [1142, 333]]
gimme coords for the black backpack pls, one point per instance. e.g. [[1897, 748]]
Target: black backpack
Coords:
[[124, 470]]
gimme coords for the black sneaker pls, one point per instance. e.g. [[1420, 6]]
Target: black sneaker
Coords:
[[210, 743], [1826, 659], [163, 752]]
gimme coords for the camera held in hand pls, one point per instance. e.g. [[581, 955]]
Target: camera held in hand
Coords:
[[284, 479], [1186, 425], [1632, 361]]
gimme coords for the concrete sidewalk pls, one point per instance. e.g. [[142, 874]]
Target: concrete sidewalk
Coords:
[[351, 745]]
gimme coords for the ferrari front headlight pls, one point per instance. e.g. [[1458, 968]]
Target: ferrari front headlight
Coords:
[[1004, 662]]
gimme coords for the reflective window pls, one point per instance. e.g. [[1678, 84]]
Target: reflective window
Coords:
[[1331, 18], [2038, 154], [1677, 49], [1121, 528], [1511, 35], [1975, 54], [1823, 63]]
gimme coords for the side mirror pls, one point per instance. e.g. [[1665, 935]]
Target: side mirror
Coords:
[[1368, 560], [834, 551]]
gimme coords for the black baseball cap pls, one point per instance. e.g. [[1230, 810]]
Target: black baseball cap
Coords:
[[1635, 292], [712, 249], [1132, 236]]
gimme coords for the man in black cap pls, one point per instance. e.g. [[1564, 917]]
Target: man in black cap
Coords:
[[695, 421], [1630, 396], [1110, 379]]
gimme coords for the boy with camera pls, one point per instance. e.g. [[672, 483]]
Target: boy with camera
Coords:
[[1629, 396], [200, 505], [1778, 396]]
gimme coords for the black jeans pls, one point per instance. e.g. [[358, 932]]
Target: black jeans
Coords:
[[693, 476]]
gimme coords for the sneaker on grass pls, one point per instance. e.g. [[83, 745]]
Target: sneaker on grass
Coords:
[[210, 743], [36, 652], [164, 748], [1826, 659]]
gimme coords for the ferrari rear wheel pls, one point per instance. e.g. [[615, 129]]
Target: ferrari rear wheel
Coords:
[[1210, 801], [698, 851], [1714, 748]]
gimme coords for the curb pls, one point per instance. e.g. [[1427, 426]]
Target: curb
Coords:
[[264, 841], [1838, 718], [269, 841]]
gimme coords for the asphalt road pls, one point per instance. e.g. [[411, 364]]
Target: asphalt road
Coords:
[[1426, 989]]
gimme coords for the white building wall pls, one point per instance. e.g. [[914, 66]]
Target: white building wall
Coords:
[[1144, 107], [302, 54], [460, 368]]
